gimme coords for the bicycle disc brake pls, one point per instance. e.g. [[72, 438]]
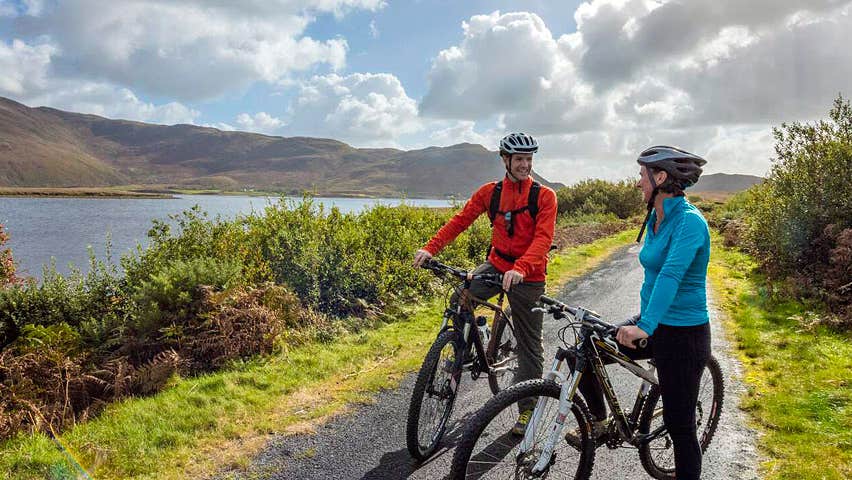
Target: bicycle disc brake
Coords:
[[526, 462]]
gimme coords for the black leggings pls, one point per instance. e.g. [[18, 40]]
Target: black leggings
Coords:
[[680, 353]]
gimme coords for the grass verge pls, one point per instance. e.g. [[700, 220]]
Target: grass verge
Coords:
[[798, 373], [219, 421]]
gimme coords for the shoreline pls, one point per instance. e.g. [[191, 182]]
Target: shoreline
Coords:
[[156, 192], [77, 192]]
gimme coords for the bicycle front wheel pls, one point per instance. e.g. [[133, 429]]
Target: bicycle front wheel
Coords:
[[658, 455], [489, 450], [504, 357], [434, 395]]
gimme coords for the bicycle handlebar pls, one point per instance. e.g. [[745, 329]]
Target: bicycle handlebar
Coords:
[[438, 267], [558, 309]]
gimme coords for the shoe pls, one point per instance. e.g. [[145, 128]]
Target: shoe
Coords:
[[599, 433], [521, 425]]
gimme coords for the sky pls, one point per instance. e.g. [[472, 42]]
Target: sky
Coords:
[[595, 82]]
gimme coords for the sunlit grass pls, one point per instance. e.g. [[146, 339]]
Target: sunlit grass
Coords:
[[799, 377]]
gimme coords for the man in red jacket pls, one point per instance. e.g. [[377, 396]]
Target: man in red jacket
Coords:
[[520, 241]]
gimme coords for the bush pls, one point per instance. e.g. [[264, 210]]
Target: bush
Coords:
[[795, 221], [94, 303], [7, 264], [591, 197], [169, 299], [200, 296], [348, 264]]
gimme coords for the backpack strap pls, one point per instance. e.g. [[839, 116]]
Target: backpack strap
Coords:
[[532, 200], [494, 206]]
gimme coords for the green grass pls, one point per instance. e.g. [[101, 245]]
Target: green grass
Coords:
[[205, 424], [799, 377]]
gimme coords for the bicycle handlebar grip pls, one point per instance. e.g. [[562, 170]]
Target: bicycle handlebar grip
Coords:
[[641, 343], [547, 300]]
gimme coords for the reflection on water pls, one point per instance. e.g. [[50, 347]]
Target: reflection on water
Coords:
[[63, 228]]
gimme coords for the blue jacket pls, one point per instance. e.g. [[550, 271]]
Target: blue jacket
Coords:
[[675, 261]]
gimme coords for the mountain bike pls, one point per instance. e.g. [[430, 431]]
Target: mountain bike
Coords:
[[464, 343], [560, 440]]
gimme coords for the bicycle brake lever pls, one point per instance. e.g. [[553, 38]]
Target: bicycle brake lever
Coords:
[[539, 310]]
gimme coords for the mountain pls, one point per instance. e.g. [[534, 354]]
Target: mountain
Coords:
[[724, 182], [45, 147]]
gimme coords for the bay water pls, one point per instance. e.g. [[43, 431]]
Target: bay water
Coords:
[[63, 229]]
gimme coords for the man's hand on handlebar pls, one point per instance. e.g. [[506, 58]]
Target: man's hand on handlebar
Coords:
[[628, 334], [420, 257], [512, 277]]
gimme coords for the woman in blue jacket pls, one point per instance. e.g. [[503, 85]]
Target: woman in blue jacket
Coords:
[[674, 301]]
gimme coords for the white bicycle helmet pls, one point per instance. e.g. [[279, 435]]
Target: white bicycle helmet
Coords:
[[518, 143]]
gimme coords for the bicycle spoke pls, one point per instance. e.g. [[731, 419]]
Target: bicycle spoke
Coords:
[[496, 453]]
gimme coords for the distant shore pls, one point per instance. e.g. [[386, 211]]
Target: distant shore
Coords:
[[166, 192], [82, 192]]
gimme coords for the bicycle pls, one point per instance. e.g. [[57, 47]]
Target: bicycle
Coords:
[[459, 347], [487, 450]]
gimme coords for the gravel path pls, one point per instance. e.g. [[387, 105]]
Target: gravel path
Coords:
[[369, 443]]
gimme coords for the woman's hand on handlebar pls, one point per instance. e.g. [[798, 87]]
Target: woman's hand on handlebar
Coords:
[[628, 334], [420, 257], [512, 277]]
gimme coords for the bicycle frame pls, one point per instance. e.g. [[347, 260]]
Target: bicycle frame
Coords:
[[464, 310], [596, 350]]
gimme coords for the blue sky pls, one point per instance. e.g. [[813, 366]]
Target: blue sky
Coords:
[[595, 81]]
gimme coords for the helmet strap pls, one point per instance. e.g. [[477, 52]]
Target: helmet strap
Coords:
[[509, 169], [650, 205]]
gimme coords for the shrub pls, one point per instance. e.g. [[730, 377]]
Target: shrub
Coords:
[[94, 303], [199, 296], [169, 299], [796, 219], [7, 264], [346, 264], [594, 196]]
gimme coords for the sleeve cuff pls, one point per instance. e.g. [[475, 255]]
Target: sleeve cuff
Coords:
[[647, 327]]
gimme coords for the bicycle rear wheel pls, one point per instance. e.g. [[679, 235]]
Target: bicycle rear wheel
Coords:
[[434, 395], [488, 449], [658, 455], [504, 357]]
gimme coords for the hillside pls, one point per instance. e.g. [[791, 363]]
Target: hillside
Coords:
[[45, 147], [724, 182]]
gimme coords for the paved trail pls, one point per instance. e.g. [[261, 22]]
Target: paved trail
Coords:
[[369, 443]]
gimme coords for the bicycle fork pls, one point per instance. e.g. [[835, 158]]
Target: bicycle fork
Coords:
[[566, 395]]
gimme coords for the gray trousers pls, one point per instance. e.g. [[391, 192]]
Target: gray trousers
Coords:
[[522, 298]]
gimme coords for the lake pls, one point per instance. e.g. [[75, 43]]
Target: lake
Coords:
[[64, 228]]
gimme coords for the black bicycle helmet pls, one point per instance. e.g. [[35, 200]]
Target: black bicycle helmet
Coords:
[[683, 167], [518, 143]]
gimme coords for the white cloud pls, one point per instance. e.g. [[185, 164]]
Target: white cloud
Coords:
[[374, 30], [27, 78], [499, 67], [112, 102], [463, 131], [710, 76], [362, 109], [261, 122], [189, 49], [24, 67]]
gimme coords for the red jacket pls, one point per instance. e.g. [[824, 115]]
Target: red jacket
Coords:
[[531, 239]]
